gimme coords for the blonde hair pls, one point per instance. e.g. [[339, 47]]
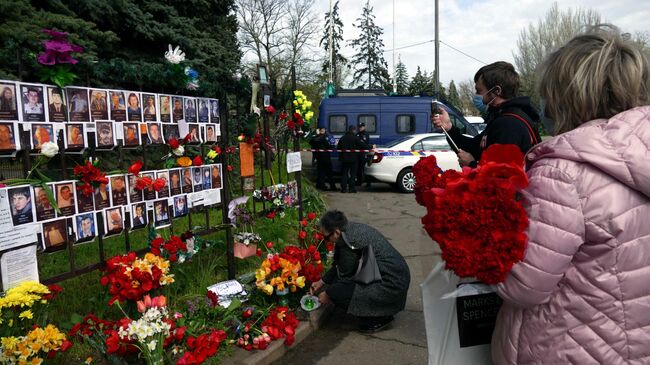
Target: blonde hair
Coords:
[[595, 75]]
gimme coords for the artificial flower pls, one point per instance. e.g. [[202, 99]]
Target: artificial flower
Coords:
[[212, 154], [179, 151], [197, 161], [174, 56], [184, 161], [49, 149]]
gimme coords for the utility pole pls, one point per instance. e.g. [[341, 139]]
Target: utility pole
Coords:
[[394, 75], [437, 53]]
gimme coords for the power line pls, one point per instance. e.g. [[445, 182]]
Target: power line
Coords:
[[463, 53], [446, 44]]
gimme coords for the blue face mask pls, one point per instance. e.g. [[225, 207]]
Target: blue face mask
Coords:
[[478, 103]]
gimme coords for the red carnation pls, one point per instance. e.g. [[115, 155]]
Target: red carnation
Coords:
[[302, 235], [158, 184], [173, 143], [135, 168], [197, 161], [311, 216]]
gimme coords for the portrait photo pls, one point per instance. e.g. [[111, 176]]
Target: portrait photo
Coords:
[[85, 203], [56, 107], [186, 180], [113, 221], [118, 105], [139, 215], [177, 111], [133, 107], [78, 104], [193, 131], [102, 197], [175, 181], [32, 100], [104, 135], [163, 175], [149, 112], [171, 131], [214, 110], [8, 101], [197, 178], [135, 195], [8, 136], [65, 198], [42, 133], [154, 133], [20, 204], [216, 176], [55, 235], [149, 194], [180, 206], [131, 134], [204, 110], [211, 133], [44, 209], [98, 104], [207, 178], [85, 227], [165, 108], [118, 190], [161, 213], [75, 136], [190, 110]]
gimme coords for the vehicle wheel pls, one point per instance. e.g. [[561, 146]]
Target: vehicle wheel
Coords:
[[406, 180]]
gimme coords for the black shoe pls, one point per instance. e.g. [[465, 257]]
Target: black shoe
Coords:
[[375, 324], [353, 191]]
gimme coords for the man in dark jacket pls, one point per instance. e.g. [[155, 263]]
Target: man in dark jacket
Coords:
[[365, 137], [323, 160], [375, 301], [510, 119], [350, 160]]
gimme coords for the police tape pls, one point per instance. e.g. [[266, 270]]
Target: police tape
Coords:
[[380, 150]]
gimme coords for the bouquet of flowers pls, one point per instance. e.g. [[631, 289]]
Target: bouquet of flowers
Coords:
[[182, 154], [171, 249], [278, 274], [90, 177], [281, 323], [179, 74], [477, 216], [145, 182], [244, 221]]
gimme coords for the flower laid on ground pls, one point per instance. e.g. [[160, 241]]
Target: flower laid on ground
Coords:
[[32, 348], [57, 57], [480, 238], [277, 273], [90, 177], [281, 323], [201, 347]]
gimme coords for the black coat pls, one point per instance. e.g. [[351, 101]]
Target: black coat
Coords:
[[320, 142], [382, 298], [351, 142]]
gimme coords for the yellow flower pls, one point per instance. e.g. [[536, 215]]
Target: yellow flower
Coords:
[[295, 103], [267, 289], [260, 274], [309, 115], [184, 161], [89, 360], [212, 154], [26, 314], [300, 281], [298, 93], [9, 343]]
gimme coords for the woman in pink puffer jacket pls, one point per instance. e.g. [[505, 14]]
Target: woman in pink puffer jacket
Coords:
[[582, 293]]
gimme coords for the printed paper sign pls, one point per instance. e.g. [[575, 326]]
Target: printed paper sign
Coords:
[[294, 163]]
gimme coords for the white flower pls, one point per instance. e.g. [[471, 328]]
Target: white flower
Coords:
[[175, 56], [152, 345], [179, 151], [49, 149]]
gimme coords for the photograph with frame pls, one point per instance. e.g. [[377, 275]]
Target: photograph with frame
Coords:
[[85, 227], [164, 175], [177, 109], [189, 107], [214, 111], [170, 131], [210, 133], [8, 101], [175, 181], [41, 133], [113, 221], [216, 176], [197, 179], [187, 184], [55, 235], [149, 194], [161, 213], [248, 183], [165, 102], [8, 134], [150, 108], [85, 203], [105, 134], [102, 197], [98, 104], [194, 132], [133, 107], [204, 110], [32, 102], [135, 195], [154, 133], [118, 190], [64, 193], [180, 206], [44, 209], [57, 109], [74, 136], [117, 105], [21, 204], [77, 104], [139, 217], [207, 179], [131, 133]]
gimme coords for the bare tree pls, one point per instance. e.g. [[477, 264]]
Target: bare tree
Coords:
[[300, 39], [465, 95]]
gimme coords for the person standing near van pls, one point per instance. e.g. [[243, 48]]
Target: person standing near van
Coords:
[[510, 119], [350, 160], [365, 137], [323, 141]]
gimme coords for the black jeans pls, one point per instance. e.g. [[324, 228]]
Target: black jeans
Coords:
[[340, 293], [324, 166], [348, 175]]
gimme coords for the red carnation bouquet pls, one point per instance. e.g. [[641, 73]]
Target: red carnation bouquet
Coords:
[[477, 216], [90, 176]]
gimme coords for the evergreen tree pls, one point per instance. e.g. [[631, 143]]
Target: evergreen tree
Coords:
[[337, 39], [418, 84], [452, 96], [370, 68], [401, 77]]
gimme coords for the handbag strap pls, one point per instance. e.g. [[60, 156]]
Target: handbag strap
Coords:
[[531, 131]]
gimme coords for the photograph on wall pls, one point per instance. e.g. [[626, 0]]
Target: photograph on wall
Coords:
[[149, 194], [207, 180], [85, 227], [177, 111], [44, 209], [204, 110], [171, 131], [42, 133], [131, 134], [164, 191], [186, 181], [190, 110], [8, 101], [248, 183], [56, 107], [133, 107], [118, 105], [153, 132], [214, 110], [138, 215], [216, 176], [20, 204], [85, 202], [180, 206], [113, 221], [175, 181], [118, 190], [55, 235], [161, 213], [33, 103], [193, 131], [104, 135], [65, 198], [78, 104], [211, 133], [102, 197], [165, 102], [135, 195], [75, 138], [98, 104], [197, 178], [149, 111], [8, 133]]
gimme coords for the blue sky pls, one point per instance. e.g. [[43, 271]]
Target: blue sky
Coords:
[[484, 29]]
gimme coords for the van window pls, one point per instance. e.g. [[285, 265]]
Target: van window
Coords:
[[405, 124], [338, 124], [432, 143], [456, 122], [370, 121]]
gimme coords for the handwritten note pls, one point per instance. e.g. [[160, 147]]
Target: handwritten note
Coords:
[[228, 290], [17, 266], [294, 163]]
